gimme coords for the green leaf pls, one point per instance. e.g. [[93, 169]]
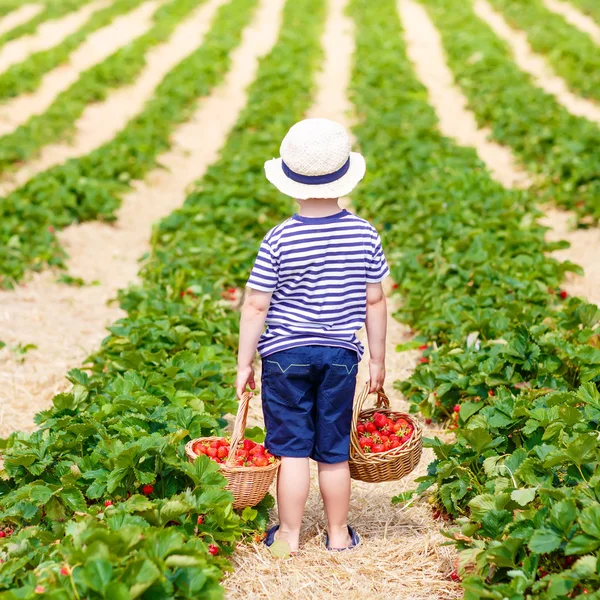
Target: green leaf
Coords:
[[40, 494], [585, 566], [280, 549], [97, 574], [249, 514], [74, 499], [523, 496], [590, 520], [562, 515], [256, 434], [182, 560], [582, 544], [544, 541], [173, 509]]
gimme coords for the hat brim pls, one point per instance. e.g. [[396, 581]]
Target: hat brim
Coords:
[[302, 191]]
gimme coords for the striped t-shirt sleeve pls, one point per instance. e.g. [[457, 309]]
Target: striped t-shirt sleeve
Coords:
[[377, 267], [264, 273]]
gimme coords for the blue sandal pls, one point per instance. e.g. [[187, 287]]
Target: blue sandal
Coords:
[[270, 537], [354, 541]]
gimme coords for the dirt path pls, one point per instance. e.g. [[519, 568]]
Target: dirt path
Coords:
[[575, 18], [48, 34], [101, 121], [97, 47], [535, 64], [19, 16], [402, 556], [584, 251], [456, 121], [68, 323], [425, 50]]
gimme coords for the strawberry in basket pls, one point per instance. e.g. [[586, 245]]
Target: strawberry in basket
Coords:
[[248, 454], [381, 433]]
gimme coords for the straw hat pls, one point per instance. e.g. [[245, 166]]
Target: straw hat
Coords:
[[316, 161]]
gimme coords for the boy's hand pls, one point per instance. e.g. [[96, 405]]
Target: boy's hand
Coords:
[[376, 375], [245, 376]]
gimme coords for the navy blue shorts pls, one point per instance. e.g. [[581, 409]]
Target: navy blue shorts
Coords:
[[307, 398]]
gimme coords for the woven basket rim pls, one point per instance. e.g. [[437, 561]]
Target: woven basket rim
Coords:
[[359, 458]]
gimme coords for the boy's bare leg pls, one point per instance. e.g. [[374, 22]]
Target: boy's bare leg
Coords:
[[334, 481], [293, 485]]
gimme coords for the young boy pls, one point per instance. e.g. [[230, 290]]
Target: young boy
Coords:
[[316, 281]]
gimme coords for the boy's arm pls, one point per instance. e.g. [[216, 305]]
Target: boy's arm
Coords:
[[252, 322], [376, 325]]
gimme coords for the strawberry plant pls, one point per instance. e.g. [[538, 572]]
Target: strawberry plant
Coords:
[[571, 52], [557, 147], [588, 7], [76, 492], [25, 76], [91, 187], [54, 9], [93, 85], [510, 363]]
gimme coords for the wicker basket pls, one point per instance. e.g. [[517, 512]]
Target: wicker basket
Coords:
[[383, 466], [249, 485]]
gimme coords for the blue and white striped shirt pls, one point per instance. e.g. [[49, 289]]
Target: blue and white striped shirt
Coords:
[[318, 270]]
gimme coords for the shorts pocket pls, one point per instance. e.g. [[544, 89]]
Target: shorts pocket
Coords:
[[286, 379], [340, 380]]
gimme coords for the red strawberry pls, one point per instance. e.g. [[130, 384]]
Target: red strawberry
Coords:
[[370, 427], [212, 452], [428, 421], [384, 439], [424, 347], [147, 489], [491, 393], [2, 534], [454, 576], [258, 450], [66, 570], [360, 428], [423, 359], [563, 294], [222, 451], [108, 503], [214, 550], [456, 408], [395, 286], [403, 423], [396, 443], [378, 448], [366, 442], [379, 420], [200, 520], [248, 445], [261, 461]]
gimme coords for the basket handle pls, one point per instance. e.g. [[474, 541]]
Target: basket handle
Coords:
[[382, 402], [239, 427]]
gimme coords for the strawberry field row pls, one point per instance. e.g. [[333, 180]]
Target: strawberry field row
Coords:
[[588, 7], [571, 52], [559, 148], [25, 77], [93, 85], [163, 375], [54, 9], [91, 187], [518, 362]]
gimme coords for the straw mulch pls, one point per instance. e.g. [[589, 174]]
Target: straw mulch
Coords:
[[402, 555]]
